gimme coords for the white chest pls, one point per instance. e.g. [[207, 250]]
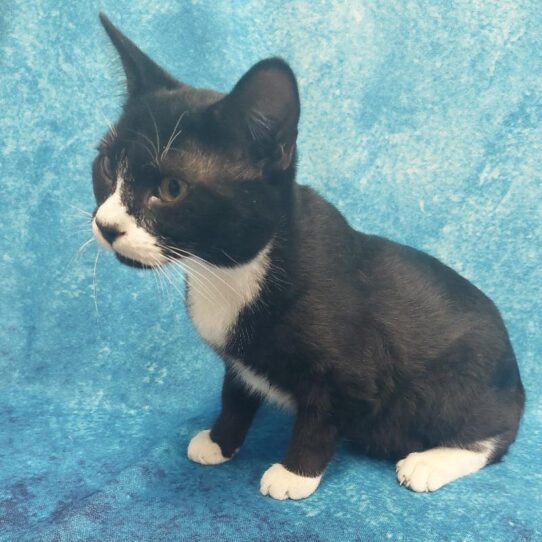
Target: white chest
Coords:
[[217, 295]]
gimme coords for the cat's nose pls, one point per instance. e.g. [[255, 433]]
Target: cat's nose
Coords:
[[110, 233]]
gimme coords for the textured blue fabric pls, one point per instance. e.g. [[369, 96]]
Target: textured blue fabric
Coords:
[[421, 121]]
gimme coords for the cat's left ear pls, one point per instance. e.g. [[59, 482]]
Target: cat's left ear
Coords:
[[263, 108], [142, 73]]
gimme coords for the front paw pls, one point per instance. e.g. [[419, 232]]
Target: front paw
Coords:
[[280, 483], [204, 451]]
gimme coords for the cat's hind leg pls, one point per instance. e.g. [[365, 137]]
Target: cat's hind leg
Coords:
[[434, 468]]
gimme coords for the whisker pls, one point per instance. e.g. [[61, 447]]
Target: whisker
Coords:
[[155, 130], [207, 266], [111, 127], [84, 246], [76, 255], [78, 232], [81, 211], [82, 221], [155, 278], [194, 272], [164, 279], [230, 258], [149, 151], [173, 136], [153, 151], [170, 279], [98, 252], [199, 286]]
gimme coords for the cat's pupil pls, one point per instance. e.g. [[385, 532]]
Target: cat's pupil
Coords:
[[173, 188]]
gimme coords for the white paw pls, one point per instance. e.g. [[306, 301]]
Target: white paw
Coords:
[[430, 470], [282, 484], [204, 451], [418, 474]]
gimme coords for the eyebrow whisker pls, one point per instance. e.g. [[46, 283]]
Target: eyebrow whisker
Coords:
[[173, 137], [157, 147]]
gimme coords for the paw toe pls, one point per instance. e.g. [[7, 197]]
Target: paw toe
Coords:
[[204, 451], [419, 477], [281, 484], [430, 470]]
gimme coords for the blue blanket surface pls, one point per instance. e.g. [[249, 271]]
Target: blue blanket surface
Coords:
[[421, 121]]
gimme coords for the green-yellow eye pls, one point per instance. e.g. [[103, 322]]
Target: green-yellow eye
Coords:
[[172, 190]]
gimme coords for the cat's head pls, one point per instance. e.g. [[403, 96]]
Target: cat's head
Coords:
[[188, 170]]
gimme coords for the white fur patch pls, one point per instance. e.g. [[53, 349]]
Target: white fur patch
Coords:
[[216, 295], [260, 385], [280, 483], [204, 451], [135, 243], [432, 469]]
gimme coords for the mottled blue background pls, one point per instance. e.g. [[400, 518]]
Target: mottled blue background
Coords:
[[421, 121]]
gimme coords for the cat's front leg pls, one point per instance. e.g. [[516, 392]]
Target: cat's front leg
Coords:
[[217, 445], [311, 448]]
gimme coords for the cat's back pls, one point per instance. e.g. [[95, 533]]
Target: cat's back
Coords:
[[400, 288], [372, 261], [409, 274]]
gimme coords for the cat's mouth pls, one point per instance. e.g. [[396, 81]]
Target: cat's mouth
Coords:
[[131, 263]]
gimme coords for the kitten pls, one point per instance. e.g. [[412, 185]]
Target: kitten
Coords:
[[364, 338]]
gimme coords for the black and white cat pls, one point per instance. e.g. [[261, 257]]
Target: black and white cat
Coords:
[[364, 338]]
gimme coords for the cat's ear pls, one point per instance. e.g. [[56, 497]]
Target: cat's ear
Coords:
[[264, 106], [142, 73]]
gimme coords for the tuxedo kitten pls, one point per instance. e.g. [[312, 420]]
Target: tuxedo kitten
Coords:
[[365, 339]]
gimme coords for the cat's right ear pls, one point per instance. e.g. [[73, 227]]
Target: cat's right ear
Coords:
[[142, 73], [263, 109]]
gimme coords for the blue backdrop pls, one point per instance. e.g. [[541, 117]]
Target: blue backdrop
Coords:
[[421, 121]]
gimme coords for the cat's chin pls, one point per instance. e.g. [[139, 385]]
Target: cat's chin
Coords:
[[132, 263]]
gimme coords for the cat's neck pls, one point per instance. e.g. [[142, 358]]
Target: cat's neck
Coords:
[[217, 295]]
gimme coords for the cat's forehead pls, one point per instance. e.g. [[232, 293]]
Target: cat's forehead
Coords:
[[162, 111], [207, 165], [168, 131]]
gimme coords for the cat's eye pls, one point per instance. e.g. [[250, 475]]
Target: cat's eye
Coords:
[[172, 190], [106, 167]]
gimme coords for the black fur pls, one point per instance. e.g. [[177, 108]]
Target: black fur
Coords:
[[377, 342]]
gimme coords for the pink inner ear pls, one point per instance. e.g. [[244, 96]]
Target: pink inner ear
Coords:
[[284, 153]]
